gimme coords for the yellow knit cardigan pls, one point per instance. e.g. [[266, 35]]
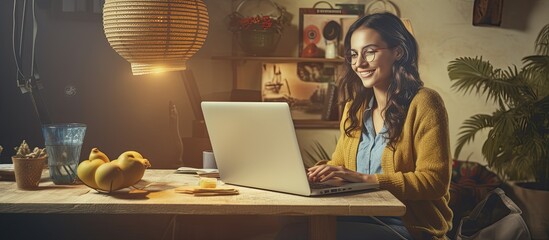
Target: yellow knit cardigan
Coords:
[[418, 171]]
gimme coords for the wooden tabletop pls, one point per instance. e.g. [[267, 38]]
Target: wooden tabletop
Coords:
[[159, 197]]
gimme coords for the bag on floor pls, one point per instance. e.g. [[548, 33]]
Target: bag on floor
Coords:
[[495, 217]]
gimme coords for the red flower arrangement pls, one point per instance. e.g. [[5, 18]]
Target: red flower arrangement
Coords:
[[258, 34], [250, 22], [237, 22]]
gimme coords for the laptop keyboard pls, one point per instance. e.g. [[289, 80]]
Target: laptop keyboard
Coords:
[[319, 185]]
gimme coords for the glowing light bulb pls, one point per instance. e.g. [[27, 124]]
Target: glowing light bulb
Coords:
[[158, 70]]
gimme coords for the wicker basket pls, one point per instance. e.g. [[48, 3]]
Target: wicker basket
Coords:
[[258, 42], [258, 26]]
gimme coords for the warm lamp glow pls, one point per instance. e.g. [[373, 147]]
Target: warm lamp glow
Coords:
[[154, 33], [158, 70]]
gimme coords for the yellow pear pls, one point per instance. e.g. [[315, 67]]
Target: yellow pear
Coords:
[[100, 173], [96, 154], [109, 177], [133, 165], [134, 154], [133, 168], [86, 171]]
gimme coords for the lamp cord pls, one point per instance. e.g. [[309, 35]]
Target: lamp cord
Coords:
[[174, 113], [33, 72], [17, 55], [173, 225], [31, 82]]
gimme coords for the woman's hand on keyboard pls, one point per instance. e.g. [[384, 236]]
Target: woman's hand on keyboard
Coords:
[[321, 173]]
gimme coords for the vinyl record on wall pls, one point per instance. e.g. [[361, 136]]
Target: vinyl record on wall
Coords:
[[331, 30], [311, 34]]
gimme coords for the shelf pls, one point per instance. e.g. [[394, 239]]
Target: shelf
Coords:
[[255, 95], [248, 95], [279, 59]]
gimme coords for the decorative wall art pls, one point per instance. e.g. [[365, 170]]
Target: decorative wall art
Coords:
[[321, 30], [286, 82], [487, 12]]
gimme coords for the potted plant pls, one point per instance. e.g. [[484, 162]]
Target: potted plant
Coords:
[[28, 165], [517, 145], [258, 25]]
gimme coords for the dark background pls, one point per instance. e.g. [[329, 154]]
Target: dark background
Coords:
[[122, 111]]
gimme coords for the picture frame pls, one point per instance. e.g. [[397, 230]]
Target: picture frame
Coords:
[[283, 82], [321, 29], [487, 12]]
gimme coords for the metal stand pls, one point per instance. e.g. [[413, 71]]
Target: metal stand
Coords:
[[192, 92]]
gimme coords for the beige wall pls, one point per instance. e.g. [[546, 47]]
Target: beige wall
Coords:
[[126, 112], [444, 31]]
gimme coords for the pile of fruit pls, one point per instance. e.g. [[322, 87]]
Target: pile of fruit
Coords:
[[100, 173]]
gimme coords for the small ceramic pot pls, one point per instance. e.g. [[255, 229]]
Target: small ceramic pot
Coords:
[[28, 171]]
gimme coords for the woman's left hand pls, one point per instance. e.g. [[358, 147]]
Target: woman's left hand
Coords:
[[322, 173]]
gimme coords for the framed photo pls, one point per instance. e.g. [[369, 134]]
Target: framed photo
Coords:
[[487, 12], [286, 82], [323, 29]]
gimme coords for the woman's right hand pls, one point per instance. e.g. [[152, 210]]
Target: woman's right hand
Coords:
[[321, 173]]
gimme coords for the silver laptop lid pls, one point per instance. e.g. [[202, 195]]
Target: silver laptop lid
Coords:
[[255, 145]]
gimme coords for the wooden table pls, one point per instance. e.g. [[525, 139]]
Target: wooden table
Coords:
[[160, 198]]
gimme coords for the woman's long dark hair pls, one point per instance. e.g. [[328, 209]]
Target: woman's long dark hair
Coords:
[[405, 81]]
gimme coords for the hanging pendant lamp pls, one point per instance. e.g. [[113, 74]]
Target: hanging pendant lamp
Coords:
[[155, 35]]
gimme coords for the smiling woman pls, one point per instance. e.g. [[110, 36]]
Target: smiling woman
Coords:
[[394, 132]]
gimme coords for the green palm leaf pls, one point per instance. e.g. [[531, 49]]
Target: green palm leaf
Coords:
[[542, 41], [517, 145], [536, 72], [476, 74], [470, 128], [315, 154]]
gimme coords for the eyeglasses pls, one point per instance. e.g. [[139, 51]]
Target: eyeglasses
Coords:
[[367, 54]]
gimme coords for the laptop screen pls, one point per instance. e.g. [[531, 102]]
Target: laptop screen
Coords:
[[255, 145]]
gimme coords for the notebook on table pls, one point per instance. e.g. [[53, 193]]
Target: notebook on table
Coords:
[[255, 145]]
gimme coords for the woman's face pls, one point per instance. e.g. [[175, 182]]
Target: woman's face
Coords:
[[367, 44]]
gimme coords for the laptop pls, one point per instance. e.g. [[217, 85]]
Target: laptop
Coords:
[[255, 145]]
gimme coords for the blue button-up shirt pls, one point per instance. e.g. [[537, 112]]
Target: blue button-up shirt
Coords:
[[368, 161], [371, 145]]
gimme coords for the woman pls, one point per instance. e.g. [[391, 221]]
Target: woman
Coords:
[[394, 132]]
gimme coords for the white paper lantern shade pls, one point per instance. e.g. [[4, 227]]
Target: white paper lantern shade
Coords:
[[156, 35]]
